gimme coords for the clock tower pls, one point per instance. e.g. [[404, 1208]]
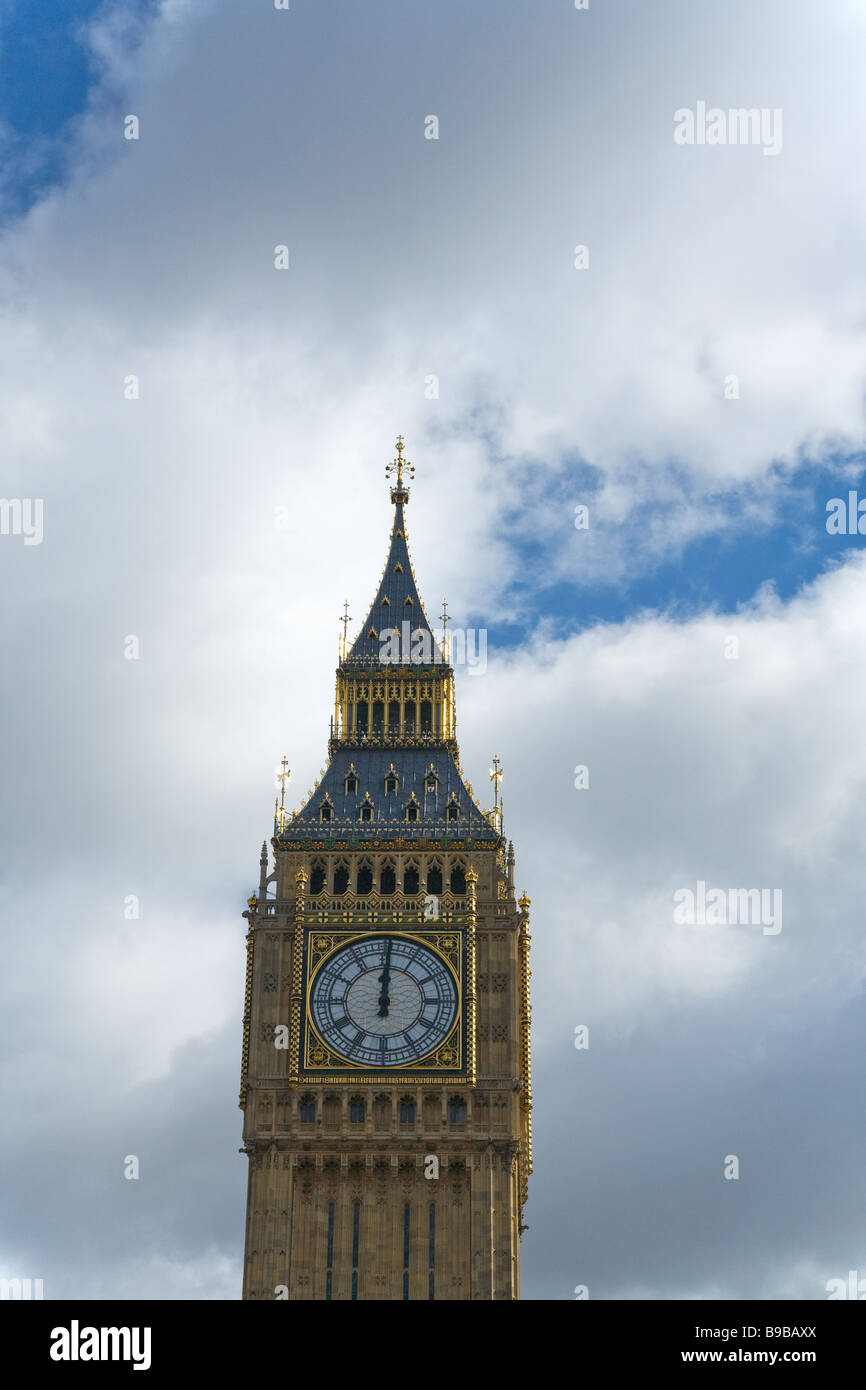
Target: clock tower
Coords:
[[385, 1077]]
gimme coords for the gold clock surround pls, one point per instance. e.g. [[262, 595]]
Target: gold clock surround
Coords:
[[443, 1063]]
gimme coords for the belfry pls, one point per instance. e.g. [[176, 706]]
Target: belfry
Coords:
[[385, 1075]]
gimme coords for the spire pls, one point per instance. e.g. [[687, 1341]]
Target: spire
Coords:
[[396, 631], [393, 769], [263, 871]]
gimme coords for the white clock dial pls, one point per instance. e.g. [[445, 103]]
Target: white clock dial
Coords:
[[384, 1001]]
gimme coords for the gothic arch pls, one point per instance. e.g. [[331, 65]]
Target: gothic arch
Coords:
[[341, 877], [387, 877]]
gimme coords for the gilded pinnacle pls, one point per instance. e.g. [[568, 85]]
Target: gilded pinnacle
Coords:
[[399, 493]]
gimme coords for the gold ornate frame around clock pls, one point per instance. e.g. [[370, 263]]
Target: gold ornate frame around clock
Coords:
[[453, 1060], [446, 1057]]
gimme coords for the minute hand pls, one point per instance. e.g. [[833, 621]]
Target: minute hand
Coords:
[[385, 980]]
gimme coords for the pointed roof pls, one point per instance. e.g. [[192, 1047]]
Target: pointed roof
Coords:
[[412, 768], [397, 599]]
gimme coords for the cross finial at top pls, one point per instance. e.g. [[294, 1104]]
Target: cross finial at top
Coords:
[[496, 777], [284, 776], [397, 465], [446, 618], [345, 620]]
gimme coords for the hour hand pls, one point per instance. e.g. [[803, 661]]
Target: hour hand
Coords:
[[385, 980]]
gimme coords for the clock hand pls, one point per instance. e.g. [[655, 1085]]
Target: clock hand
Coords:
[[385, 980]]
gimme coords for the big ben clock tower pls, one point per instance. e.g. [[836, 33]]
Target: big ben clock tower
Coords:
[[385, 1076]]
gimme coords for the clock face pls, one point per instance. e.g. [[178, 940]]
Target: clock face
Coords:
[[384, 1001]]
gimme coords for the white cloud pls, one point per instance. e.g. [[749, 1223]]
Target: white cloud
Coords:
[[259, 391]]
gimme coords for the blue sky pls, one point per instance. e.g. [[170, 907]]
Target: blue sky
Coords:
[[47, 70], [267, 394]]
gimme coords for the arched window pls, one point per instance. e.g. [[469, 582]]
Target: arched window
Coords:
[[426, 717], [357, 1110], [307, 1109], [341, 878], [456, 1111], [391, 784], [458, 879], [378, 716], [365, 877], [387, 879], [317, 876], [393, 715], [407, 1112], [351, 783], [326, 811], [362, 716], [382, 1112], [410, 879], [431, 784], [434, 879], [412, 811], [453, 811]]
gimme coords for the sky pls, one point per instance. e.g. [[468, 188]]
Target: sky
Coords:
[[207, 435]]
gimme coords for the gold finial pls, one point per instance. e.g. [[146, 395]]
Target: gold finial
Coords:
[[399, 493], [284, 776], [345, 620], [524, 902], [496, 777], [446, 618]]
